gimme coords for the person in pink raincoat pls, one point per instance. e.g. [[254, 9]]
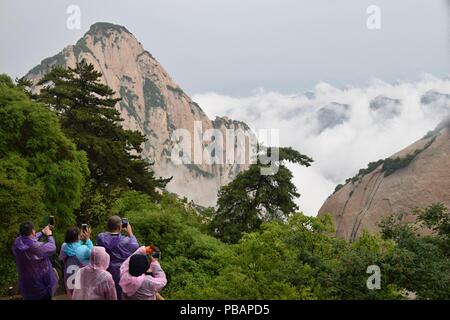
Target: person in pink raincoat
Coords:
[[93, 282], [135, 279]]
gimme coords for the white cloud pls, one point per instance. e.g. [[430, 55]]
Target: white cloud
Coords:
[[342, 129]]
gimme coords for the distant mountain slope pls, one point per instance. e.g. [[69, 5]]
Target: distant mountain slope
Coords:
[[151, 103], [417, 176]]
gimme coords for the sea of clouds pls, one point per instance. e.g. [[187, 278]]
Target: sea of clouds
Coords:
[[342, 129]]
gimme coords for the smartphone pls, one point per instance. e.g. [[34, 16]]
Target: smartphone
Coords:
[[156, 255], [84, 227], [124, 223], [51, 221]]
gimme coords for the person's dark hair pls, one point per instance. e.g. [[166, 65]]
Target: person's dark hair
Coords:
[[72, 235], [26, 228], [114, 223], [138, 265]]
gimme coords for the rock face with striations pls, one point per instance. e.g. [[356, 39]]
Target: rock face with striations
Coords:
[[153, 104], [417, 176]]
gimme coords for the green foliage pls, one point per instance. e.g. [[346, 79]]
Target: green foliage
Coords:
[[87, 115], [391, 165], [189, 256], [338, 187], [431, 133], [253, 198], [80, 47], [106, 28], [293, 259], [350, 277], [296, 259], [437, 218], [41, 172], [362, 172], [176, 90], [199, 172], [420, 263], [276, 253], [95, 208], [58, 60], [128, 102], [152, 95]]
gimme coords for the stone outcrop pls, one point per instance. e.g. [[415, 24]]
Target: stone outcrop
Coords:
[[417, 176], [151, 103]]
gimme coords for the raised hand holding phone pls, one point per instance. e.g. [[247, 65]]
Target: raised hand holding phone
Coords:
[[51, 221], [153, 252], [85, 232], [124, 223], [129, 229], [149, 249], [47, 231]]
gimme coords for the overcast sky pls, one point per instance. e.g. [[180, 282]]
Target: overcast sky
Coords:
[[253, 59], [234, 46]]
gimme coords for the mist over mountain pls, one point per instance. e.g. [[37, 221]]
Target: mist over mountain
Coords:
[[153, 104], [343, 129]]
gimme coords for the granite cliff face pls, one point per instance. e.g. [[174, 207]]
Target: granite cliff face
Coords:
[[417, 176], [151, 103]]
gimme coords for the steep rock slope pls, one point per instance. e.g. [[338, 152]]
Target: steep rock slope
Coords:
[[151, 103], [417, 176]]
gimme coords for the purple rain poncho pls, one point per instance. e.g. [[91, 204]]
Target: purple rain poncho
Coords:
[[94, 282], [37, 279], [119, 248]]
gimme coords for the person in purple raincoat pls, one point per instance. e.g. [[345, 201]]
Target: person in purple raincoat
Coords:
[[118, 246], [37, 280]]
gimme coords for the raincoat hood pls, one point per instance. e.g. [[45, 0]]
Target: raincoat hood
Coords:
[[99, 258], [95, 282], [70, 249], [83, 254], [128, 283]]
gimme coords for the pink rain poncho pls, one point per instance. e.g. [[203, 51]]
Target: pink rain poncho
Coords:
[[119, 248], [145, 286], [93, 282], [37, 279]]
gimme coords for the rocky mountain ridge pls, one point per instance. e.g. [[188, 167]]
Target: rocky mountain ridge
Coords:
[[153, 104], [417, 176]]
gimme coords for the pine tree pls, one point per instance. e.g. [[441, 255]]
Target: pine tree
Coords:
[[86, 110], [252, 198]]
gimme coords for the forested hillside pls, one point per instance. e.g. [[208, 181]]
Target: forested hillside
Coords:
[[64, 152]]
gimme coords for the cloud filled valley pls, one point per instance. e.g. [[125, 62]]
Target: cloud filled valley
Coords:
[[342, 129]]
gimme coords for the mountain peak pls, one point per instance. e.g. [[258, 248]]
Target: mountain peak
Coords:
[[152, 103], [106, 28]]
